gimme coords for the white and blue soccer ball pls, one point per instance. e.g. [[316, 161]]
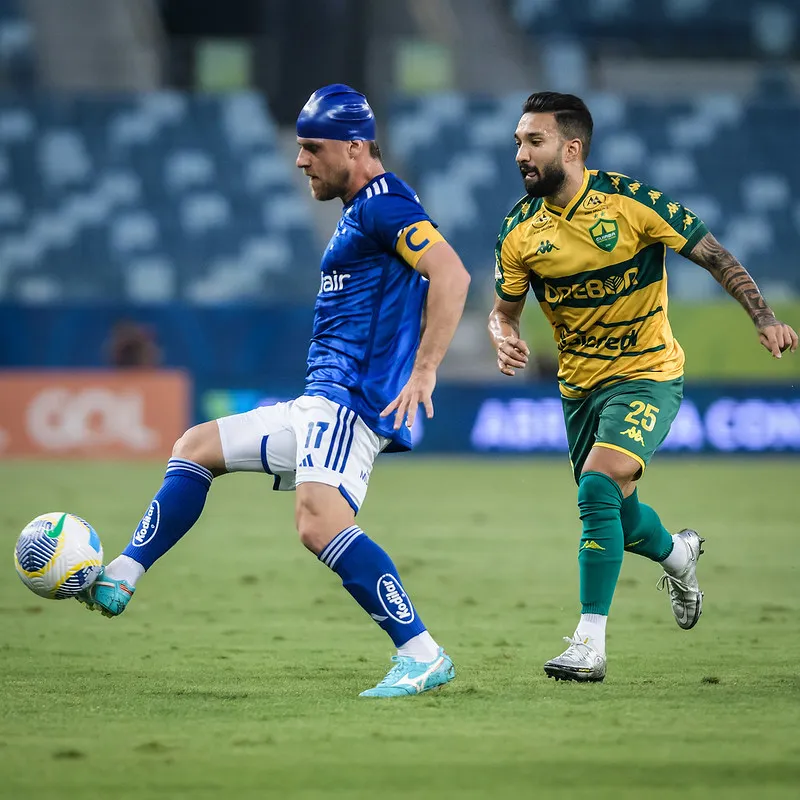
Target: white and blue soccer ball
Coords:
[[58, 555]]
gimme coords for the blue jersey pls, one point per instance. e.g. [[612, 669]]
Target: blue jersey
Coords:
[[369, 308]]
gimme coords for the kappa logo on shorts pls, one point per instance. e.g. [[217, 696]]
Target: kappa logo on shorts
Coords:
[[148, 527], [394, 600], [634, 433]]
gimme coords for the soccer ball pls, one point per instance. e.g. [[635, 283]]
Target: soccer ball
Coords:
[[58, 555]]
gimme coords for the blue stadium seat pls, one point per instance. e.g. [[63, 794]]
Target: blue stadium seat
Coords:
[[16, 54], [102, 195], [667, 28], [99, 195]]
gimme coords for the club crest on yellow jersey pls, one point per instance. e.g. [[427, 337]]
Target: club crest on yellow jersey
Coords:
[[605, 234]]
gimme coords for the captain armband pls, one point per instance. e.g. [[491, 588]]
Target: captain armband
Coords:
[[415, 240]]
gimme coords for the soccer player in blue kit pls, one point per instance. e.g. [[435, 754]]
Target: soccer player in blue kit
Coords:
[[370, 366]]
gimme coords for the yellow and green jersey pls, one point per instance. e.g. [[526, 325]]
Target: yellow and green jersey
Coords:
[[597, 270]]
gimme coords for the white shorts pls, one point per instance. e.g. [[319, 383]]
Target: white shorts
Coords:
[[311, 439]]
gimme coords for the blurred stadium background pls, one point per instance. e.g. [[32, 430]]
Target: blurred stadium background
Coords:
[[151, 214], [159, 260]]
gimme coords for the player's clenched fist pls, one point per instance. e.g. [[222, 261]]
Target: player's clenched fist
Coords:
[[777, 338], [512, 354]]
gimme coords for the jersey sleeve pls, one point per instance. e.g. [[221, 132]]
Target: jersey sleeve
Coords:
[[400, 225], [511, 276], [665, 220]]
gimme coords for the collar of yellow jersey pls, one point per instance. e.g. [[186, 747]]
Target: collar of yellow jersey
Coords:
[[576, 198]]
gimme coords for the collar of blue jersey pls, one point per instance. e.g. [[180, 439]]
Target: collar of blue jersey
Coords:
[[577, 197], [363, 189]]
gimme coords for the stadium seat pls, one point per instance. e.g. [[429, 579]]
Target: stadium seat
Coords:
[[155, 197], [16, 40], [667, 28], [101, 195]]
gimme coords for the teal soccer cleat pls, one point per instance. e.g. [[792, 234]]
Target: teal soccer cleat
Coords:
[[408, 676], [107, 596]]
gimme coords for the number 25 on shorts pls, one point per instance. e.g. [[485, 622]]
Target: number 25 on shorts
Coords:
[[647, 413]]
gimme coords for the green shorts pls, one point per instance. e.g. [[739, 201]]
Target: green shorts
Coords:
[[633, 417]]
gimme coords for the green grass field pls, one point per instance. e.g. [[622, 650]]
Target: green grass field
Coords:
[[235, 671]]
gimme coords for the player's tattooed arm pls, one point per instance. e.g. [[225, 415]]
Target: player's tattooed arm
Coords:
[[735, 279], [512, 352]]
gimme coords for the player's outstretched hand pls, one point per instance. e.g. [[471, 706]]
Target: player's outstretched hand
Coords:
[[419, 389], [512, 354], [777, 338]]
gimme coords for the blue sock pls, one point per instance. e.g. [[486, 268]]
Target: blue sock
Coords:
[[174, 510], [369, 575]]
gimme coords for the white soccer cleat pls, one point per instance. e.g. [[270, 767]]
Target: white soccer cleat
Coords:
[[684, 592], [579, 662]]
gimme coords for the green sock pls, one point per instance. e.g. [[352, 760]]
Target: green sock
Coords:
[[644, 533], [602, 544]]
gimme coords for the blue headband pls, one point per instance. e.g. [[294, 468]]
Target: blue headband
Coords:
[[337, 112]]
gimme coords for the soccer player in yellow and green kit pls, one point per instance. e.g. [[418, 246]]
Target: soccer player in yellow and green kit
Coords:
[[591, 245]]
